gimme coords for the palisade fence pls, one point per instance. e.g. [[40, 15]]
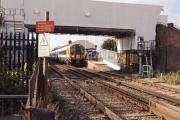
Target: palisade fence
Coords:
[[18, 54]]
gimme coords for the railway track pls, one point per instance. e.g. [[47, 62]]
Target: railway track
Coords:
[[137, 80], [75, 106], [154, 84], [167, 94], [160, 91], [141, 94], [116, 105]]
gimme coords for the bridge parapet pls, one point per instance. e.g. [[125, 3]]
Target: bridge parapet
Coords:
[[111, 58]]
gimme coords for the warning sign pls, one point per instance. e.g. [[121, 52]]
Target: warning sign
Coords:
[[43, 41], [43, 45]]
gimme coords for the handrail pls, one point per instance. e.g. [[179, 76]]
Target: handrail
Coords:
[[33, 91], [147, 45], [36, 92], [13, 96], [109, 51], [110, 55], [14, 11]]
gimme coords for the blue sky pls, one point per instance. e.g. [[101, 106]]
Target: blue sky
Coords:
[[176, 7], [174, 13]]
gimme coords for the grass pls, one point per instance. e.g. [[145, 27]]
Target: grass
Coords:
[[172, 78]]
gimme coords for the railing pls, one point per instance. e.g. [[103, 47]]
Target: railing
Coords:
[[14, 12], [110, 56], [37, 93], [146, 45], [34, 91], [14, 19], [18, 52], [2, 13]]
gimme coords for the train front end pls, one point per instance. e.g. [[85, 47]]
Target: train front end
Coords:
[[77, 54]]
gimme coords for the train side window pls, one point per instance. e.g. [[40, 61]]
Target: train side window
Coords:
[[62, 52]]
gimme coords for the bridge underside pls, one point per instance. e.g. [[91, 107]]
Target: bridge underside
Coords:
[[118, 33]]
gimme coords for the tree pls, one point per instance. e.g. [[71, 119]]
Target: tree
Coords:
[[109, 44]]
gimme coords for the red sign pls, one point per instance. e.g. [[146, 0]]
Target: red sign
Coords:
[[44, 26]]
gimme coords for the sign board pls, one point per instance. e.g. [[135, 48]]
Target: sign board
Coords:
[[44, 26], [44, 45]]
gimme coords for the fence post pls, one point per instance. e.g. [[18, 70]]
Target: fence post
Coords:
[[36, 51], [1, 44], [10, 49], [19, 51], [5, 49], [32, 48], [23, 49], [14, 60]]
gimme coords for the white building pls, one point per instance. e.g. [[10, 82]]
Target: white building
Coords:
[[133, 20], [88, 13]]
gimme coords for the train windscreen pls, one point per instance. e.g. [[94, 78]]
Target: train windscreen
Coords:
[[77, 49]]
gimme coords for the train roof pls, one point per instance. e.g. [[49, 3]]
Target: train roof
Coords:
[[84, 43]]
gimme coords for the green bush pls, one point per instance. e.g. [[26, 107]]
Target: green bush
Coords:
[[9, 80], [109, 44], [10, 84]]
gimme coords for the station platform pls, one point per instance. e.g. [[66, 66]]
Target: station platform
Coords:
[[98, 66]]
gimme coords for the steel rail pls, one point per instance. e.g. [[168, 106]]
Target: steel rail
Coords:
[[140, 88], [137, 103], [91, 98], [159, 108], [176, 90], [74, 99], [154, 93]]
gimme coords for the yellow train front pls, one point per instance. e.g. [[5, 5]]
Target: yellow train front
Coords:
[[76, 54], [70, 54]]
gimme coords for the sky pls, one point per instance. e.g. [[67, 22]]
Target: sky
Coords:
[[171, 8], [60, 40]]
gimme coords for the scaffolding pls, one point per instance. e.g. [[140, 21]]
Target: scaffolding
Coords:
[[2, 14], [145, 49], [12, 19]]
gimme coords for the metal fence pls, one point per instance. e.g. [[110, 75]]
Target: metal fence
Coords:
[[18, 53], [110, 56], [18, 50], [146, 45]]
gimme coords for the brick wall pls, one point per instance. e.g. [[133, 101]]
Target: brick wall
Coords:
[[168, 47]]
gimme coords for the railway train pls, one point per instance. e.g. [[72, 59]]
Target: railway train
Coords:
[[72, 54]]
